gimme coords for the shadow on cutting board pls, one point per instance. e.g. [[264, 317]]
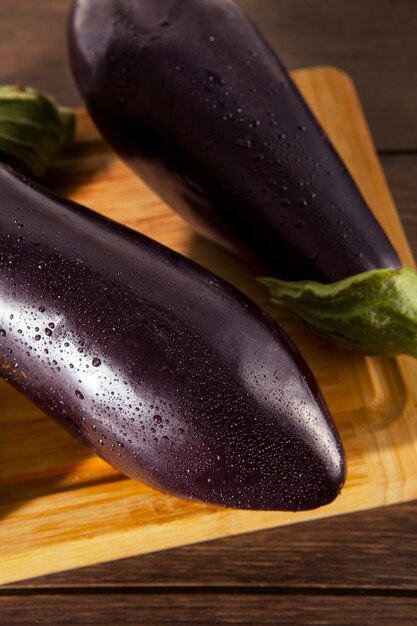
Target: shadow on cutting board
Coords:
[[37, 457], [83, 161]]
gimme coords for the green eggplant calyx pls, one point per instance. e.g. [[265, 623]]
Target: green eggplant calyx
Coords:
[[374, 313], [33, 129]]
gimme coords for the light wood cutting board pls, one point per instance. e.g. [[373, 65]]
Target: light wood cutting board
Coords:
[[61, 507]]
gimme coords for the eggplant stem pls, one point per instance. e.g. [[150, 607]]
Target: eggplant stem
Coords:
[[33, 129], [374, 313]]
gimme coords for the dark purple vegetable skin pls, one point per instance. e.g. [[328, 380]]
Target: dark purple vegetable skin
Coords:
[[197, 103], [164, 370]]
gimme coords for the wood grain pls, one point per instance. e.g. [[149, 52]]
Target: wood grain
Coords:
[[70, 509], [374, 42], [203, 609]]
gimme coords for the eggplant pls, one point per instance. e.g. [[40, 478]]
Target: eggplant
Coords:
[[160, 367], [191, 96]]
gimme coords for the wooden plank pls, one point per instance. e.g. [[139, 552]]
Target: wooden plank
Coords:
[[201, 609], [63, 509], [374, 42]]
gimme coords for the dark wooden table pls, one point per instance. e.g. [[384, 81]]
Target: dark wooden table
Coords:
[[356, 569]]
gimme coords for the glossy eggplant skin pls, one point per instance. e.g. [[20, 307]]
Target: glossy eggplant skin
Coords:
[[197, 103], [164, 370]]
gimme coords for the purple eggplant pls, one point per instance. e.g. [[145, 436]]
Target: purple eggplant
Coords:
[[195, 101], [164, 370]]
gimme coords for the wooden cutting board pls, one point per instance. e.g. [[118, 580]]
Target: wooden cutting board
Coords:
[[61, 507]]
